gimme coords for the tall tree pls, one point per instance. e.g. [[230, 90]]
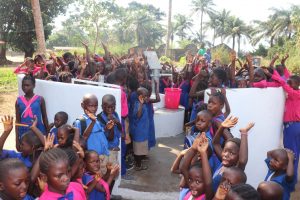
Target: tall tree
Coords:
[[181, 25], [213, 24], [39, 29], [17, 22], [202, 7], [222, 18]]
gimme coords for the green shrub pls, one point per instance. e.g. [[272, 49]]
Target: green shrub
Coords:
[[8, 80]]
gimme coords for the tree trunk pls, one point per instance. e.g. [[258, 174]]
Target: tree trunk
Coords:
[[239, 44], [169, 28], [201, 20], [233, 42], [97, 35], [272, 41], [39, 29], [29, 52]]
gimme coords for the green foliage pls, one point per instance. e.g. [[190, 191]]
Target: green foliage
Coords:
[[17, 24], [165, 59], [222, 54], [8, 80], [261, 51], [183, 43], [182, 61]]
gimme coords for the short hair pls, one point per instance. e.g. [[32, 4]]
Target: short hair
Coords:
[[9, 164], [51, 157], [295, 78], [141, 91], [64, 115], [29, 77], [245, 191], [237, 141], [66, 56], [109, 97], [120, 74], [270, 190], [240, 172], [111, 78], [62, 77], [71, 134], [219, 95], [221, 74], [88, 153]]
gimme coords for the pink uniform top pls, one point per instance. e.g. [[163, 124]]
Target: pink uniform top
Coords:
[[265, 84], [292, 103], [189, 196], [24, 70], [74, 192], [124, 105]]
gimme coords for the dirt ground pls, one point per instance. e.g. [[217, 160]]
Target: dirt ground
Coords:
[[155, 183]]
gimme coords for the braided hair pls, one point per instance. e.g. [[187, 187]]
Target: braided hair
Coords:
[[245, 191], [51, 157]]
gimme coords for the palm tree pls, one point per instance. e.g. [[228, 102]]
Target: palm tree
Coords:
[[202, 7], [169, 27], [182, 23], [38, 22], [213, 24], [236, 28], [223, 18], [264, 30]]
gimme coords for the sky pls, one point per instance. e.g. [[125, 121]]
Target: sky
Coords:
[[247, 10]]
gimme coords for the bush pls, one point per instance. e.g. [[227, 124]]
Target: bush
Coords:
[[222, 54], [8, 80]]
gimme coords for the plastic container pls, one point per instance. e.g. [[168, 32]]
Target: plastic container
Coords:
[[172, 97]]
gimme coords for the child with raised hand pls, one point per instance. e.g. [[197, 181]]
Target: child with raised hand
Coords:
[[13, 180], [27, 67], [28, 106], [54, 168], [291, 118], [29, 144], [280, 164], [200, 181], [235, 151], [92, 130], [98, 184], [270, 190], [60, 118], [141, 129]]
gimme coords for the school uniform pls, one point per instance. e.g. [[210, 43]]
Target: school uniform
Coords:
[[28, 109], [54, 131], [114, 144], [217, 177], [288, 187], [14, 154], [95, 194], [184, 96], [291, 121], [97, 140], [189, 196], [74, 192], [141, 128]]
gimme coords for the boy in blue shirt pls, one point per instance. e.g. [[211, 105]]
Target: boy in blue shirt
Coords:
[[93, 131]]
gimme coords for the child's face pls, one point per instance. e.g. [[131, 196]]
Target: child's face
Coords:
[[91, 105], [58, 176], [29, 64], [258, 77], [27, 86], [16, 183], [214, 105], [277, 162], [213, 81], [232, 177], [196, 184], [59, 120], [93, 163], [109, 107], [242, 84], [62, 136], [203, 122], [230, 154], [26, 148], [80, 170]]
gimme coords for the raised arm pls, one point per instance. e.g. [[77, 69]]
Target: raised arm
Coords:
[[250, 67], [271, 65], [88, 130], [8, 126], [36, 131], [44, 114], [18, 120], [157, 96], [243, 154], [207, 176], [228, 123], [232, 67], [290, 167], [176, 164]]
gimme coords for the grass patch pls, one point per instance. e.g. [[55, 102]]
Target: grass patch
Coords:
[[8, 80]]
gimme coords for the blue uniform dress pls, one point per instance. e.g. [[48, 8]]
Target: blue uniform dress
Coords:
[[13, 154], [151, 138], [217, 177], [97, 140], [94, 194], [141, 125], [133, 98], [29, 109], [28, 197], [184, 96], [117, 133], [54, 131], [288, 187]]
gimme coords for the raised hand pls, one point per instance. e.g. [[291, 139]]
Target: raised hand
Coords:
[[276, 56], [34, 122], [42, 183], [247, 128], [79, 149], [222, 190], [110, 124], [98, 177], [249, 58], [196, 142], [7, 123], [230, 122], [49, 142], [183, 152], [203, 143], [109, 166], [141, 99], [115, 170], [290, 154], [233, 56], [91, 115]]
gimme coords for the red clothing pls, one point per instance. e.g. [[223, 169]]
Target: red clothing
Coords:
[[124, 105], [292, 103], [265, 84], [24, 70]]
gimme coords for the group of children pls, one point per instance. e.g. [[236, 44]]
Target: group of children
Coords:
[[213, 162]]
